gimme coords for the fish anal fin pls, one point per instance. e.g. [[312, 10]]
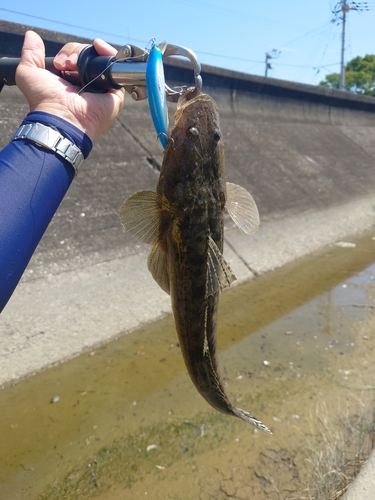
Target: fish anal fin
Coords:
[[219, 273], [158, 267], [140, 216], [242, 208]]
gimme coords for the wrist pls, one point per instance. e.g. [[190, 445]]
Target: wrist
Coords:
[[50, 139], [54, 134], [64, 127], [61, 112]]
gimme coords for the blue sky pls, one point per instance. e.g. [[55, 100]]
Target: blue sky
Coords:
[[232, 35]]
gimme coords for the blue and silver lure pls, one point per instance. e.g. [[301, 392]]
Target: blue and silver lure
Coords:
[[155, 84]]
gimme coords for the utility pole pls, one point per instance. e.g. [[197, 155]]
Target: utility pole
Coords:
[[341, 9], [268, 65], [345, 9], [270, 55]]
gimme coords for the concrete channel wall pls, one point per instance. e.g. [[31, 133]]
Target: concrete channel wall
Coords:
[[307, 155]]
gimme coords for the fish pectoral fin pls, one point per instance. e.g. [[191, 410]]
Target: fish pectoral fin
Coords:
[[219, 273], [158, 266], [242, 208], [140, 216]]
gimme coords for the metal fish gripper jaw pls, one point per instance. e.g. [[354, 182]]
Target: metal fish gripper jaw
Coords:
[[176, 50], [132, 74]]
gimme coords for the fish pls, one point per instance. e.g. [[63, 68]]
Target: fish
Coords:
[[184, 222]]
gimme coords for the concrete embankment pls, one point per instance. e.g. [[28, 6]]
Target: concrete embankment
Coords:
[[307, 155]]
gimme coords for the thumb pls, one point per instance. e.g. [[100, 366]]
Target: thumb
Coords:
[[33, 52]]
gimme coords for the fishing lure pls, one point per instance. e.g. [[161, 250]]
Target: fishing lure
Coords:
[[155, 86]]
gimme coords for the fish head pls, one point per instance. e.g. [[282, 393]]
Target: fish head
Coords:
[[197, 124], [195, 149]]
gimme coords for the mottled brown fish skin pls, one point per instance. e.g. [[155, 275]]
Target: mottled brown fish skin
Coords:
[[183, 221], [192, 184]]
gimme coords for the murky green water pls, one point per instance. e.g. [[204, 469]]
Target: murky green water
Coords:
[[127, 422]]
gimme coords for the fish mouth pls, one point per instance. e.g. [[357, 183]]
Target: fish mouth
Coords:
[[186, 101], [193, 110]]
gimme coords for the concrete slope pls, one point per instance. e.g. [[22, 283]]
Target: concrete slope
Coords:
[[306, 154]]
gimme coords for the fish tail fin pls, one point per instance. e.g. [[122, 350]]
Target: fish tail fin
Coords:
[[244, 415]]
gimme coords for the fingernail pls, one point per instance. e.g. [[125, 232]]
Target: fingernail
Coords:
[[61, 58], [73, 58]]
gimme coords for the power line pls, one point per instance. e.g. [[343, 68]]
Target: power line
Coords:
[[214, 8], [144, 42], [297, 40], [312, 55], [211, 54], [69, 25]]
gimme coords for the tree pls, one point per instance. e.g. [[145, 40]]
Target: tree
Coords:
[[359, 76]]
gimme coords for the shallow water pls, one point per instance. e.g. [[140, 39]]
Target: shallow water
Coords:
[[125, 421]]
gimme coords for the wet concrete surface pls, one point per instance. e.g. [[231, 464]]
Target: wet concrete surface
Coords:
[[124, 420]]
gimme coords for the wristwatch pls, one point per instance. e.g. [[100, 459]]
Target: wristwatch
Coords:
[[48, 138]]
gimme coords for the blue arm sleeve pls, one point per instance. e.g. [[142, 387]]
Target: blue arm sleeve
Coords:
[[33, 181]]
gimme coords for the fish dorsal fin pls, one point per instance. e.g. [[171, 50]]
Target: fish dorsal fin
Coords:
[[158, 266], [140, 216], [241, 206], [219, 274]]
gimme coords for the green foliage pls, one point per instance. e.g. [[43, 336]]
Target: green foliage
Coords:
[[359, 76]]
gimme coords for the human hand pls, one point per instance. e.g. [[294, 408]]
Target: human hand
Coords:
[[44, 91]]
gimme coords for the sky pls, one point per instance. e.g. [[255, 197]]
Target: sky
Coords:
[[231, 35]]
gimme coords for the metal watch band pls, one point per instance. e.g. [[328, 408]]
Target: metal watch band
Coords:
[[51, 139]]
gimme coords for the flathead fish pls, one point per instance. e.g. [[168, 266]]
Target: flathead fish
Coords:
[[183, 221]]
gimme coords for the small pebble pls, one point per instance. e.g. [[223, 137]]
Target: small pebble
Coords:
[[151, 447], [266, 363], [345, 244]]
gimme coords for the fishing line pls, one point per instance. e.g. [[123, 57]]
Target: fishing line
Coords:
[[123, 59]]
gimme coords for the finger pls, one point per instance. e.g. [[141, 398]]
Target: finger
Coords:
[[66, 58], [103, 48], [33, 52]]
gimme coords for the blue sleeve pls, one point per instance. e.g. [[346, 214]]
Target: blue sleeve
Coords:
[[33, 182]]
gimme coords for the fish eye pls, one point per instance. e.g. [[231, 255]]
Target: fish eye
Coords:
[[217, 135], [192, 134]]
